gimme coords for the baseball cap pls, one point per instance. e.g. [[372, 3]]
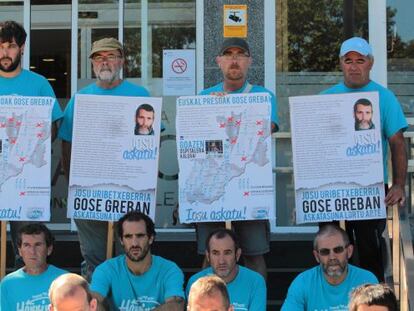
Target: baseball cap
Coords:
[[106, 44], [234, 43], [355, 44]]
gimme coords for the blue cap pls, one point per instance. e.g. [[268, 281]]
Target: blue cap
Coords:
[[355, 44]]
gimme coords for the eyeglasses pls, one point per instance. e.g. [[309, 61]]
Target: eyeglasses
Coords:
[[109, 58], [238, 56], [336, 250]]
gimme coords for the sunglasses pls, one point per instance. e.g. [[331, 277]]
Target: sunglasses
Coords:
[[336, 250]]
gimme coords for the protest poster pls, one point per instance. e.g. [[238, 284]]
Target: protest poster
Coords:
[[114, 161], [224, 155], [25, 156], [337, 157]]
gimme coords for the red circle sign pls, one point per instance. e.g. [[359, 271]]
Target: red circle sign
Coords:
[[179, 65]]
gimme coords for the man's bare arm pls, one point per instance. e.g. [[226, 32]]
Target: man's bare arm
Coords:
[[66, 153], [174, 303], [396, 193]]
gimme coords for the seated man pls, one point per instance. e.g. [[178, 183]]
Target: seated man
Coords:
[[27, 288], [71, 292], [209, 293], [247, 288], [138, 280], [371, 297], [327, 286]]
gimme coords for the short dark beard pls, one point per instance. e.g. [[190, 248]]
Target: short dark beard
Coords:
[[13, 66], [144, 254]]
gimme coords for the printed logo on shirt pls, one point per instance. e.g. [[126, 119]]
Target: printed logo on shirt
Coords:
[[38, 302], [143, 303]]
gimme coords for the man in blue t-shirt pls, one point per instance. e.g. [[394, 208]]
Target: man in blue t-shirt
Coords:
[[234, 60], [247, 288], [327, 286], [27, 288], [139, 280], [14, 80], [107, 56], [356, 61]]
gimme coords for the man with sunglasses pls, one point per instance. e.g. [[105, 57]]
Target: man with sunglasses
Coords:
[[107, 56], [234, 61], [327, 286]]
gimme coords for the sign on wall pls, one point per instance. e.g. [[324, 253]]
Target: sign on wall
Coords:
[[178, 72], [234, 21]]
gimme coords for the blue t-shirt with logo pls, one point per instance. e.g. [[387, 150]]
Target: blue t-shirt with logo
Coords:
[[254, 89], [124, 89], [310, 290], [29, 83], [392, 116], [247, 291], [127, 291], [22, 291]]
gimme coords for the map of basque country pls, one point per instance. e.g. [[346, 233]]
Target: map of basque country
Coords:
[[245, 143], [22, 142]]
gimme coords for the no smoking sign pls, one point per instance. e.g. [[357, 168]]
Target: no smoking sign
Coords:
[[179, 65]]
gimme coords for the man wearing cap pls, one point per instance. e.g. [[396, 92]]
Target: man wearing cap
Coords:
[[107, 56], [14, 80], [356, 61], [234, 61]]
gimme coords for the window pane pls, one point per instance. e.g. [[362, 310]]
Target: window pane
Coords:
[[400, 46]]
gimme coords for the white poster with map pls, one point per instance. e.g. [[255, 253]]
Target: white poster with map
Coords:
[[337, 157], [224, 155], [25, 154], [114, 160]]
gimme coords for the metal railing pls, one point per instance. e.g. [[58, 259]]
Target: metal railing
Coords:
[[402, 258]]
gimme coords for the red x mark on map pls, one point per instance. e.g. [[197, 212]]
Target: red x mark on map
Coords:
[[39, 135], [222, 125], [22, 194], [39, 124], [230, 119], [233, 140], [244, 158], [22, 159], [259, 133], [246, 193], [259, 122], [238, 122]]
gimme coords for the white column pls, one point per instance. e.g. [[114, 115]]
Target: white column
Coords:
[[144, 43], [27, 27], [121, 25], [74, 49], [377, 21], [199, 45]]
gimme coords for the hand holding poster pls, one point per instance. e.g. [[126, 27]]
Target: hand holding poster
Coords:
[[114, 161], [224, 154], [337, 157], [25, 148]]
